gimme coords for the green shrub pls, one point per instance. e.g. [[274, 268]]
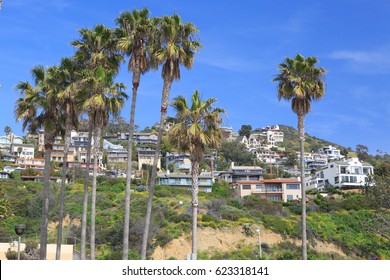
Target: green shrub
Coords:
[[231, 213]]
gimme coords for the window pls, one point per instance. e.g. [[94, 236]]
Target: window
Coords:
[[290, 197], [274, 198], [259, 187], [293, 186], [246, 187], [336, 179], [274, 188], [353, 179]]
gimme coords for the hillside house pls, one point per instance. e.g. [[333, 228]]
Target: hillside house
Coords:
[[347, 174], [272, 189]]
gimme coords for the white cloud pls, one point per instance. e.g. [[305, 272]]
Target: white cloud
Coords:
[[366, 62]]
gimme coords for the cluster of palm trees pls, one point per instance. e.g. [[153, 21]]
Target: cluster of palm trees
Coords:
[[84, 85]]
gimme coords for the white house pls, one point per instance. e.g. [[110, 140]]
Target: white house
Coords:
[[23, 150], [347, 174], [331, 152]]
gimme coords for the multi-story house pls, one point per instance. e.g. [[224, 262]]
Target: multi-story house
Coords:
[[180, 162], [271, 134], [9, 141], [228, 134], [34, 163], [185, 181], [347, 174], [313, 160], [241, 173], [139, 138], [267, 156], [23, 150], [331, 152], [273, 189], [146, 156], [79, 139]]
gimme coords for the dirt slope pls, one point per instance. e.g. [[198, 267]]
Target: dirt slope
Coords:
[[224, 240]]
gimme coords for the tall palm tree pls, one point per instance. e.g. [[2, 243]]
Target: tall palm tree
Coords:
[[133, 34], [64, 84], [37, 109], [195, 129], [107, 98], [301, 82], [95, 48], [174, 43], [7, 130]]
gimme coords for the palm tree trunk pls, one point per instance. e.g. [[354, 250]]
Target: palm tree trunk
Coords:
[[85, 198], [126, 229], [45, 206], [62, 194], [301, 131], [96, 141], [164, 105], [195, 203]]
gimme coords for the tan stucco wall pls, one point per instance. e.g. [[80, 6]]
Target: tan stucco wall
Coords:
[[66, 250]]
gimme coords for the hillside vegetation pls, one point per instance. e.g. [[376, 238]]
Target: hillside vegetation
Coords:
[[345, 221], [312, 143]]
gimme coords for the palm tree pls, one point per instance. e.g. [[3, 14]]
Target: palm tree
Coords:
[[64, 85], [195, 129], [301, 82], [36, 109], [7, 130], [95, 48], [107, 98], [133, 34], [174, 43]]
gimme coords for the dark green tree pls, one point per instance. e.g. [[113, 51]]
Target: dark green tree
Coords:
[[245, 130], [236, 152]]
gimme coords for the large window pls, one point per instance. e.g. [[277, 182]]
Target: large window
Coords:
[[344, 179], [274, 198], [274, 188], [259, 187], [246, 187], [353, 179], [293, 186], [290, 197]]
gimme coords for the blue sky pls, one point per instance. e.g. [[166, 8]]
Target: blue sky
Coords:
[[243, 42]]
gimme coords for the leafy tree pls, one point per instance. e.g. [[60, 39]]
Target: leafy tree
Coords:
[[301, 82], [174, 44], [292, 159], [378, 195], [362, 152], [236, 152], [195, 128], [245, 130]]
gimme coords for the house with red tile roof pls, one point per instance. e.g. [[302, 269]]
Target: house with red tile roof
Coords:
[[272, 189]]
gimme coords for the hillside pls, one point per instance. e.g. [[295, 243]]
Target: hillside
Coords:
[[342, 226], [312, 143]]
